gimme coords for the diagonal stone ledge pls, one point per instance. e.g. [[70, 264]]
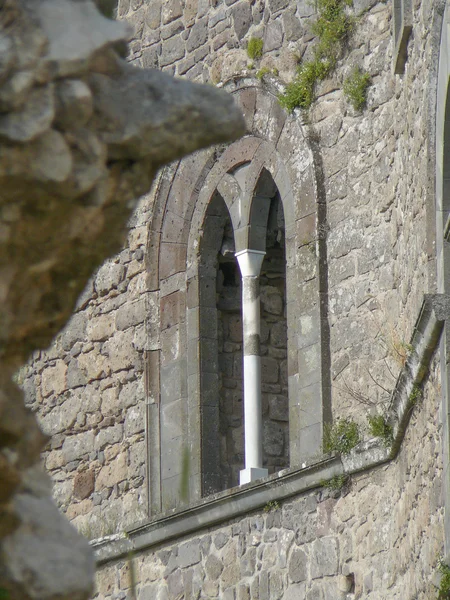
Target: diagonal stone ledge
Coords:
[[236, 502]]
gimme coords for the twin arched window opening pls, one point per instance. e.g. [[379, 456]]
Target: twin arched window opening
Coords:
[[243, 341]]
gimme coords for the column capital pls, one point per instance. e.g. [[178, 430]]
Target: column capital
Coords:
[[250, 262]]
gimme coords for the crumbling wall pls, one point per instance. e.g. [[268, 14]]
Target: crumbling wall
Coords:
[[81, 137]]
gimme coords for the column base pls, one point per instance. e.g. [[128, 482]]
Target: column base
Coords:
[[252, 474]]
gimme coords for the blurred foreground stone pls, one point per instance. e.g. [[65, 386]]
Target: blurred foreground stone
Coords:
[[81, 136]]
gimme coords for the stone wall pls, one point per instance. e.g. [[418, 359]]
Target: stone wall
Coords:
[[89, 392], [376, 197], [377, 539], [361, 259]]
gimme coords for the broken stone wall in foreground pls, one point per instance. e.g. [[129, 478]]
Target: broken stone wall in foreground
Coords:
[[81, 136]]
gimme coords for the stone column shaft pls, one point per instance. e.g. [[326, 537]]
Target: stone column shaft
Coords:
[[250, 262]]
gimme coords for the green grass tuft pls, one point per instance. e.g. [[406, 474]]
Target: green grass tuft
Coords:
[[379, 427], [341, 437], [255, 48], [332, 28], [262, 72], [444, 587], [336, 483], [271, 505], [355, 88]]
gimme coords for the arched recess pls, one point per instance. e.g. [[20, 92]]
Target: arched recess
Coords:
[[274, 153], [443, 245], [267, 233], [219, 390]]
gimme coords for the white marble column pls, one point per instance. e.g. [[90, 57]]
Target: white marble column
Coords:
[[250, 262]]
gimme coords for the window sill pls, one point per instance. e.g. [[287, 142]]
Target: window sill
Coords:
[[235, 502]]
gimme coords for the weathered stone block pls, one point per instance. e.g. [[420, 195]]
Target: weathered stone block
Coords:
[[278, 334], [276, 5], [77, 446], [242, 18], [315, 593], [269, 369], [135, 420], [112, 474], [278, 408], [324, 557], [108, 436], [248, 563], [173, 381], [150, 56], [151, 591], [131, 314], [74, 376], [100, 328], [108, 277], [189, 554], [172, 49], [273, 439], [273, 36], [172, 9], [54, 379], [295, 592], [298, 565], [198, 35], [171, 309], [173, 418], [84, 484], [213, 566], [172, 461], [230, 575], [271, 300], [220, 540]]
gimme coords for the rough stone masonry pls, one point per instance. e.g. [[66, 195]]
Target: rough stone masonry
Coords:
[[124, 388]]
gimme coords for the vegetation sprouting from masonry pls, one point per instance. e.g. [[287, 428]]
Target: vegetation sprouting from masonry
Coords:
[[332, 28], [355, 88], [341, 437], [444, 587], [255, 48], [379, 427], [336, 483]]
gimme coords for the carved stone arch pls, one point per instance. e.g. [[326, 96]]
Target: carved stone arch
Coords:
[[276, 146]]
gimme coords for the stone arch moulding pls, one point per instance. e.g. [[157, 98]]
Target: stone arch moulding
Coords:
[[182, 415]]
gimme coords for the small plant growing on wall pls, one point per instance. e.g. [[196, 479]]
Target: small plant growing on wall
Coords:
[[416, 395], [398, 348], [332, 28], [271, 505], [255, 48], [341, 437], [355, 88], [379, 427], [266, 71], [444, 587], [336, 483]]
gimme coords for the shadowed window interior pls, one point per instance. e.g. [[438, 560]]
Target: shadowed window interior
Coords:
[[221, 340]]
